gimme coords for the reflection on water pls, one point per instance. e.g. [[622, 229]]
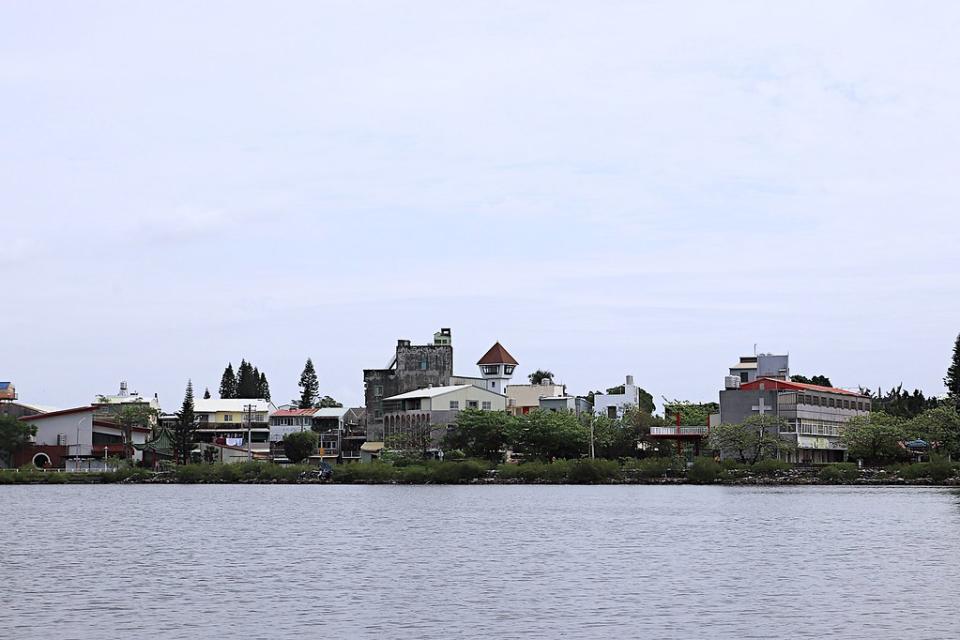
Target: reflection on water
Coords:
[[479, 562]]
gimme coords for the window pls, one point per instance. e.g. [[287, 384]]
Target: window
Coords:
[[424, 363], [227, 417], [378, 391], [454, 404], [472, 404], [486, 405], [744, 376], [493, 384], [508, 370], [612, 413], [491, 370]]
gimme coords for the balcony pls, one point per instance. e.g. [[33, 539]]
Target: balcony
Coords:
[[674, 432]]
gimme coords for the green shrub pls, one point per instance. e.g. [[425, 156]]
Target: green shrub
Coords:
[[457, 472], [414, 474], [593, 471], [839, 472], [771, 466], [704, 471], [649, 467], [374, 472]]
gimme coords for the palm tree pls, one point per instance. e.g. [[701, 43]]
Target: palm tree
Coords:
[[540, 375]]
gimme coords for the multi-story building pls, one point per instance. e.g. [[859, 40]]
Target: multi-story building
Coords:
[[577, 405], [429, 413], [615, 405], [524, 398], [110, 406], [233, 420], [763, 365], [411, 367], [811, 416]]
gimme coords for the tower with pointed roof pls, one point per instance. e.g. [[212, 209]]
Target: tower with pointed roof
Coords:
[[497, 367]]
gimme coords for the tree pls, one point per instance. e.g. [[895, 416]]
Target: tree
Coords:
[[299, 445], [326, 402], [309, 386], [247, 381], [539, 376], [690, 414], [875, 438], [756, 438], [185, 429], [206, 393], [13, 435], [952, 381], [228, 383], [545, 435], [821, 381], [263, 388], [481, 434], [940, 427], [130, 416], [901, 403]]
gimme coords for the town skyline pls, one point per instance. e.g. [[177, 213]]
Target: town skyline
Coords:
[[632, 189]]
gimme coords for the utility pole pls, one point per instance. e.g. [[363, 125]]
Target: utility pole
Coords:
[[249, 419]]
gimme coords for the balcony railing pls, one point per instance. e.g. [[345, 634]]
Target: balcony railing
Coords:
[[679, 431]]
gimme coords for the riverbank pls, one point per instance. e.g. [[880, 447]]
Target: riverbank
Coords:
[[575, 472]]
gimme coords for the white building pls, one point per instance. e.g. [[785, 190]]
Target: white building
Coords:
[[76, 438], [497, 367], [435, 409], [614, 405]]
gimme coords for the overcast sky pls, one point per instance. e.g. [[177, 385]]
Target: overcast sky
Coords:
[[605, 187]]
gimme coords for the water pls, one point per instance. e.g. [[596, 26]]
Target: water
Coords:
[[478, 562]]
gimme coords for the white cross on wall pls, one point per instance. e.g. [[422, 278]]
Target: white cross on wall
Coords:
[[762, 407]]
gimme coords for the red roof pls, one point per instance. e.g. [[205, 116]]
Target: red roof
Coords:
[[776, 384], [498, 355], [286, 413]]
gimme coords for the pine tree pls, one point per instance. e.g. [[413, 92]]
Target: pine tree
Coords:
[[953, 376], [309, 386], [264, 387], [246, 383], [206, 393], [228, 383], [184, 433]]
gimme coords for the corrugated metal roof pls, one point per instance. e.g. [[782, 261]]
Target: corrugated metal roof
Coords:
[[431, 392], [238, 405]]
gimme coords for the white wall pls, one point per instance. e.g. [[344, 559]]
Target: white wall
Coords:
[[49, 428]]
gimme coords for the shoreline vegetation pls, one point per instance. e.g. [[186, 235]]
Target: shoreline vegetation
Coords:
[[648, 471]]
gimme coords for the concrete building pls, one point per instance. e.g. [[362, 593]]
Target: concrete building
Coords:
[[497, 367], [227, 420], [411, 367], [614, 405], [577, 405], [76, 439], [430, 412], [524, 398], [109, 406], [763, 365], [814, 416]]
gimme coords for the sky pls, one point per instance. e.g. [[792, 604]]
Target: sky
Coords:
[[607, 188]]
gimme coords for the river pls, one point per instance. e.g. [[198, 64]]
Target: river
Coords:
[[339, 561]]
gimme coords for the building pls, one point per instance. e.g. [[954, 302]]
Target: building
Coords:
[[427, 414], [764, 365], [77, 439], [577, 405], [111, 406], [497, 367], [8, 392], [233, 420], [411, 367], [813, 416], [339, 434], [615, 405], [524, 398], [20, 409]]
